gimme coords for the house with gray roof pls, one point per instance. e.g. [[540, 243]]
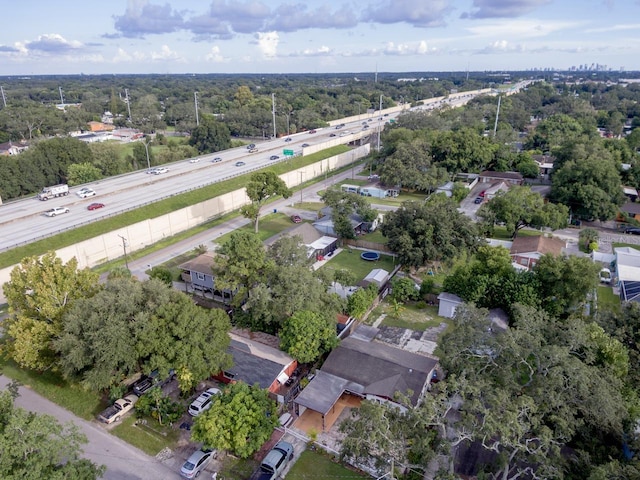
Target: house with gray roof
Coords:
[[368, 369]]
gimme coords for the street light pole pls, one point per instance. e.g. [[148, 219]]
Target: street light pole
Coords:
[[146, 149], [124, 247]]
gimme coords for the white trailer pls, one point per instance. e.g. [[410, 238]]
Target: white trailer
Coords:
[[54, 191]]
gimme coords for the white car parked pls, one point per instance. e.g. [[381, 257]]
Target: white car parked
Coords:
[[203, 402]]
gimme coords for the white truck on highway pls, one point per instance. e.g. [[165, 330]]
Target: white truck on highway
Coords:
[[55, 191]]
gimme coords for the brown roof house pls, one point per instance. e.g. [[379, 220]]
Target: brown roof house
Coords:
[[198, 277], [513, 178], [526, 251]]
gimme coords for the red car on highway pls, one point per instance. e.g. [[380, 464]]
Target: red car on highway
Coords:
[[95, 206]]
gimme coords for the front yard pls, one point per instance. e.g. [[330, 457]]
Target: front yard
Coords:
[[318, 465]]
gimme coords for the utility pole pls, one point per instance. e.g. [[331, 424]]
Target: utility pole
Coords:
[[125, 243], [126, 96], [495, 126], [4, 99], [195, 96], [379, 124], [61, 97], [273, 112]]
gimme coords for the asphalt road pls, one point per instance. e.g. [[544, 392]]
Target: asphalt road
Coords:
[[123, 461]]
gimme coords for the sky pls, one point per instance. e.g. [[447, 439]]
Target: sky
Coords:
[[46, 37]]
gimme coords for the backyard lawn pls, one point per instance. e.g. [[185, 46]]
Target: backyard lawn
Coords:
[[607, 300], [408, 316], [269, 226], [349, 259], [314, 465]]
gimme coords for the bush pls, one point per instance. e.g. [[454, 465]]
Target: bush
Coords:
[[427, 287], [421, 304], [163, 274]]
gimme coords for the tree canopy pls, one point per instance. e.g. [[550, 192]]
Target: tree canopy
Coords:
[[241, 419], [262, 186], [307, 335], [429, 231]]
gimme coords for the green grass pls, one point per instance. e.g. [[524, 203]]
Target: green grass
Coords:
[[52, 386], [375, 237], [607, 300], [15, 255], [350, 260], [150, 438], [399, 200], [410, 316], [269, 226], [234, 468], [310, 206], [315, 465]]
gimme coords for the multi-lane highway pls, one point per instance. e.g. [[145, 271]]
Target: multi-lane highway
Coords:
[[23, 221]]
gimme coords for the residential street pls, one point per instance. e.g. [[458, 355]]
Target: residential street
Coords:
[[123, 461]]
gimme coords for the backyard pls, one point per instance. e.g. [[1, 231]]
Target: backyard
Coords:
[[349, 259], [318, 465]]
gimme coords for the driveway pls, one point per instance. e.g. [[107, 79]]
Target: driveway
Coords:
[[123, 461]]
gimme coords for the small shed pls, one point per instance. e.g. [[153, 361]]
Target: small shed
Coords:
[[448, 304]]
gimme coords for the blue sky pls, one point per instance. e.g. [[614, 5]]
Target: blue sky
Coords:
[[322, 36]]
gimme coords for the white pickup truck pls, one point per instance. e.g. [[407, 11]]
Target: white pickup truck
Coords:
[[118, 409]]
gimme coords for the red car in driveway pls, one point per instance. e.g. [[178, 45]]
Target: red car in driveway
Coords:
[[95, 206]]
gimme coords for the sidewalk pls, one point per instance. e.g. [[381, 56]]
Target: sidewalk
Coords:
[[208, 238]]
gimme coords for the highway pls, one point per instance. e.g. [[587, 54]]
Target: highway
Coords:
[[23, 221]]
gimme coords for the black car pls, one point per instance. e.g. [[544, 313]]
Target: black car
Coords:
[[146, 383], [478, 200], [274, 157], [632, 230]]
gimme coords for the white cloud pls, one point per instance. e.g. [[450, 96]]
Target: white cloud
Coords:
[[166, 54], [520, 28], [268, 43], [214, 55]]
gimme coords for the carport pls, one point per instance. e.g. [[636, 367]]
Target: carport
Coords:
[[323, 400]]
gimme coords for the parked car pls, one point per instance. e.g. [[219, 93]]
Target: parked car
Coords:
[[203, 402], [217, 160], [274, 157], [478, 200], [632, 230], [147, 382], [240, 164], [95, 206], [250, 146], [56, 211], [197, 462], [296, 218], [86, 192], [118, 409], [481, 194]]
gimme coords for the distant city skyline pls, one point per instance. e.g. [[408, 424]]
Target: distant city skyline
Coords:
[[329, 36]]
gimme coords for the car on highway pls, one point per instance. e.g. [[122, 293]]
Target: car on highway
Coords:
[[203, 402], [86, 192], [274, 157], [312, 131], [250, 146], [632, 230], [296, 218], [365, 127], [288, 139], [197, 462], [333, 135], [194, 160], [159, 170], [253, 150], [95, 206], [304, 145], [240, 164], [56, 211], [217, 160]]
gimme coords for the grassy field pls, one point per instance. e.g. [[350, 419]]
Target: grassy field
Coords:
[[410, 316], [82, 403], [607, 300], [397, 201], [350, 260], [234, 468], [149, 439], [314, 465], [310, 206], [616, 245], [153, 210], [269, 226]]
